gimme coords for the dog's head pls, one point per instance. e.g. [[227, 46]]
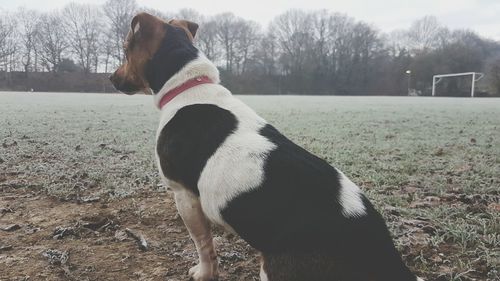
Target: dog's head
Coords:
[[147, 36]]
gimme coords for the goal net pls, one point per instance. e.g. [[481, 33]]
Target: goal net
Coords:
[[468, 80]]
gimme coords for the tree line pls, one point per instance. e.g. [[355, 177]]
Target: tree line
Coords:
[[316, 52]]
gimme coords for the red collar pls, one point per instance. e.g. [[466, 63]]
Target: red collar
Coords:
[[187, 85]]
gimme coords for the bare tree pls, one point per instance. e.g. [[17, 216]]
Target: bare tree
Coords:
[[248, 35], [267, 54], [426, 34], [207, 40], [294, 35], [191, 15], [108, 51], [119, 13], [396, 41], [83, 25], [8, 42], [340, 28], [365, 46], [28, 30], [52, 40], [321, 36], [226, 34], [237, 38]]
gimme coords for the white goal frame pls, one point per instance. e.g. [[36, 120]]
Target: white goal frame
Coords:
[[476, 76]]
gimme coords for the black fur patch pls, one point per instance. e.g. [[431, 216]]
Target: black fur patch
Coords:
[[296, 212], [189, 139], [175, 52], [297, 195]]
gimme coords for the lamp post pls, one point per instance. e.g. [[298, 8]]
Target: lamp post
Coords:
[[408, 72]]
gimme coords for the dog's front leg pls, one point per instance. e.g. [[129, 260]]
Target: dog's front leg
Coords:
[[189, 207]]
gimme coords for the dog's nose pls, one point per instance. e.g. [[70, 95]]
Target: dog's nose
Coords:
[[111, 77]]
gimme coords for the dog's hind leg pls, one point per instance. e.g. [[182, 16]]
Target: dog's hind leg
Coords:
[[189, 207]]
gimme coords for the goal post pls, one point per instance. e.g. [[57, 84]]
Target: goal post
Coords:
[[475, 76]]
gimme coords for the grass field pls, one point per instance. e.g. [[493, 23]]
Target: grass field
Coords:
[[430, 165]]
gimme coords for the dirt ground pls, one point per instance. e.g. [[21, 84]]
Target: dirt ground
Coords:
[[49, 239]]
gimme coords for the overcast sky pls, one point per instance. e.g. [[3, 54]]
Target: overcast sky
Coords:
[[482, 16]]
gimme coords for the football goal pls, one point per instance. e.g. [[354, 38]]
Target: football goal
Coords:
[[475, 76]]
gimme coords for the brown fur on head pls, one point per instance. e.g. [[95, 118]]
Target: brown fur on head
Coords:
[[143, 41]]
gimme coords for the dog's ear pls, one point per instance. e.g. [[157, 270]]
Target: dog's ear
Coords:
[[135, 25], [144, 23], [189, 26]]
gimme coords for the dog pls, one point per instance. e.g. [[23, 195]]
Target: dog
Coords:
[[226, 165]]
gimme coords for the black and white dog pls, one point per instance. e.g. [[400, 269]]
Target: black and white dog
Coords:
[[228, 166]]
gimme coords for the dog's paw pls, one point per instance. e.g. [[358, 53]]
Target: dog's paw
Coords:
[[204, 272]]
